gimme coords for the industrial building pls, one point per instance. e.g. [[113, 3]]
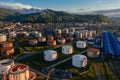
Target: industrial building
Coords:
[[111, 45]]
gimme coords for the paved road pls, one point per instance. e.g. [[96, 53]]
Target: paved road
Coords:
[[30, 54], [60, 62]]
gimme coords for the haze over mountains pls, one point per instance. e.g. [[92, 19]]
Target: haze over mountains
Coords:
[[28, 9], [110, 13]]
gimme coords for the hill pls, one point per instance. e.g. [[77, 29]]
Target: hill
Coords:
[[6, 13], [50, 16]]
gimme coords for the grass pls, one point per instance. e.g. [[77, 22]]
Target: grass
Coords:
[[36, 48], [105, 71], [89, 75], [38, 62]]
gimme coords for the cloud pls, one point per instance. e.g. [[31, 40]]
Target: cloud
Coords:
[[14, 6], [109, 13], [81, 11]]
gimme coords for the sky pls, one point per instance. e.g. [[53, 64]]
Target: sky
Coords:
[[66, 4]]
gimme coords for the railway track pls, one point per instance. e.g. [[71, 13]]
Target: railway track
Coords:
[[113, 63]]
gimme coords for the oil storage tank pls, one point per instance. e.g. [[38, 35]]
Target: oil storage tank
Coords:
[[3, 38], [79, 61], [50, 55], [19, 72], [80, 44], [93, 52], [5, 65], [67, 49]]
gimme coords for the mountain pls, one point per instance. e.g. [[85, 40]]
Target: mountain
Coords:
[[27, 11], [49, 16], [6, 13]]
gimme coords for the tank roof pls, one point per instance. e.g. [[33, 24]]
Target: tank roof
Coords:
[[81, 41], [1, 34], [5, 62], [67, 46], [93, 50], [49, 51], [79, 56], [19, 68]]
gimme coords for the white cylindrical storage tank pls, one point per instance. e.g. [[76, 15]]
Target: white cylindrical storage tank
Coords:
[[38, 35], [79, 61], [51, 42], [94, 32], [23, 32], [77, 33], [71, 34], [81, 44], [50, 55], [93, 53], [81, 35], [67, 49], [70, 39], [27, 34], [86, 34], [65, 31], [12, 34], [7, 44], [90, 33], [19, 72], [42, 39], [5, 65], [3, 38], [58, 31], [62, 40], [35, 32], [72, 29], [50, 38], [33, 42]]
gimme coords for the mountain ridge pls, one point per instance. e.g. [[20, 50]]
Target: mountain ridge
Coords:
[[50, 16]]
